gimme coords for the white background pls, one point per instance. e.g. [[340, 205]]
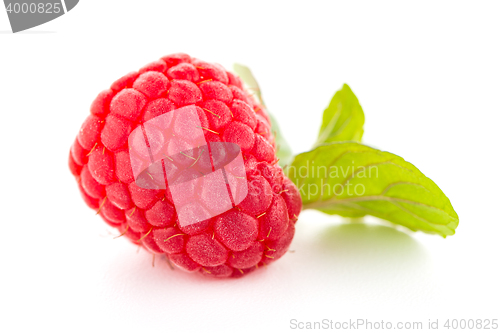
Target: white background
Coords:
[[428, 78]]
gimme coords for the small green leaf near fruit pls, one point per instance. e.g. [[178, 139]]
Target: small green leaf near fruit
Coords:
[[353, 180], [343, 119]]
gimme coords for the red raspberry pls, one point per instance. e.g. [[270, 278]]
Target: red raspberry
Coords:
[[253, 233]]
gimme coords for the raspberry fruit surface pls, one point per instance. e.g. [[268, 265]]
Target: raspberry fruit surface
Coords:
[[253, 233]]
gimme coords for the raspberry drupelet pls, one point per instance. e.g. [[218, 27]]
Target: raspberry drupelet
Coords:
[[254, 233]]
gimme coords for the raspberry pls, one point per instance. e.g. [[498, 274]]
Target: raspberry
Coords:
[[247, 258], [206, 250], [115, 133], [258, 198], [236, 230], [89, 133], [275, 222], [118, 195], [136, 220], [240, 134], [241, 233], [161, 214], [102, 166], [169, 240]]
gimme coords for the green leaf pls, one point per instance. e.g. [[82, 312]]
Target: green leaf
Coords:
[[343, 119], [246, 75], [283, 151], [354, 180]]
